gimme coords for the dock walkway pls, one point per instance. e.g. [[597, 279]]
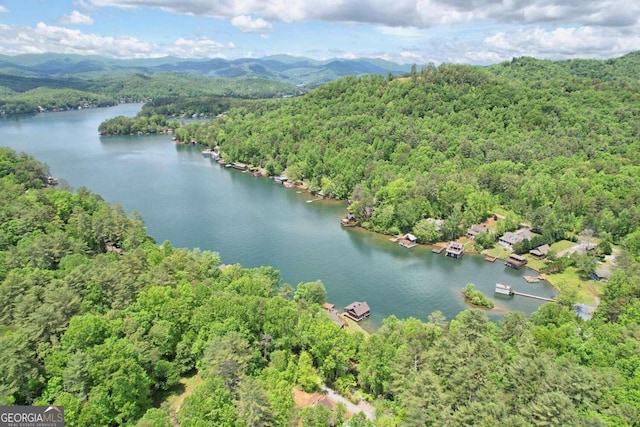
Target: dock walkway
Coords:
[[532, 296]]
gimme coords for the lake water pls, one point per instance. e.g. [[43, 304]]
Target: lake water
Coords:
[[194, 202]]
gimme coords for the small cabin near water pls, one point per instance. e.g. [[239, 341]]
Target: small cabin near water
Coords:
[[357, 311]]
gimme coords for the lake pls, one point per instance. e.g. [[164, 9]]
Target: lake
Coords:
[[193, 202]]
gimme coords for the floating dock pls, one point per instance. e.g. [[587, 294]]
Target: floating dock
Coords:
[[438, 249], [407, 244]]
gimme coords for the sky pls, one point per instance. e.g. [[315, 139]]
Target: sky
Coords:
[[476, 32]]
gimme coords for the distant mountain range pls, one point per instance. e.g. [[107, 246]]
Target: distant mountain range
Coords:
[[295, 70]]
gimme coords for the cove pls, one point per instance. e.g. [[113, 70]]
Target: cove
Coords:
[[194, 202]]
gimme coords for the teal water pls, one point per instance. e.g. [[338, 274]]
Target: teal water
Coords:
[[193, 202]]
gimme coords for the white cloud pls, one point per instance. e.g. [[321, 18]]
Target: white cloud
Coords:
[[45, 38], [402, 32], [76, 18], [249, 25], [405, 13], [3, 9], [197, 48], [476, 31], [562, 43], [410, 57]]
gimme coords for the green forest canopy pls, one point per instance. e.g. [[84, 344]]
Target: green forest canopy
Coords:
[[99, 318], [21, 95], [555, 142]]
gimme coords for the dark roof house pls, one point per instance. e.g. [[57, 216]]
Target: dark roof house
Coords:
[[540, 251], [476, 229], [509, 239], [601, 275], [357, 310]]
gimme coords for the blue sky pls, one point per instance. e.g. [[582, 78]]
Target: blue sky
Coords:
[[403, 31]]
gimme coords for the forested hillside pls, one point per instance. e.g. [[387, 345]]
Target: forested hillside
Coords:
[[163, 114], [20, 95], [283, 68], [81, 81], [98, 318], [557, 143]]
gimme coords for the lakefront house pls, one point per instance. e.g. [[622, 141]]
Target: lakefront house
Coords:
[[509, 239]]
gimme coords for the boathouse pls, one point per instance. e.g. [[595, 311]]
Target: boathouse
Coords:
[[455, 250], [408, 241], [503, 289], [348, 221], [239, 166], [516, 261], [357, 311]]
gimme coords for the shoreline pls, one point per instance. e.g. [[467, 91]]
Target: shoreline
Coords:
[[301, 187]]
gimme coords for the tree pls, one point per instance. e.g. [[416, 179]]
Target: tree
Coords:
[[210, 404], [315, 416], [21, 372], [426, 231], [294, 173], [121, 389], [311, 293], [485, 240], [226, 357], [154, 417], [424, 401], [513, 326], [552, 408], [604, 247], [252, 405], [306, 377], [585, 264]]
